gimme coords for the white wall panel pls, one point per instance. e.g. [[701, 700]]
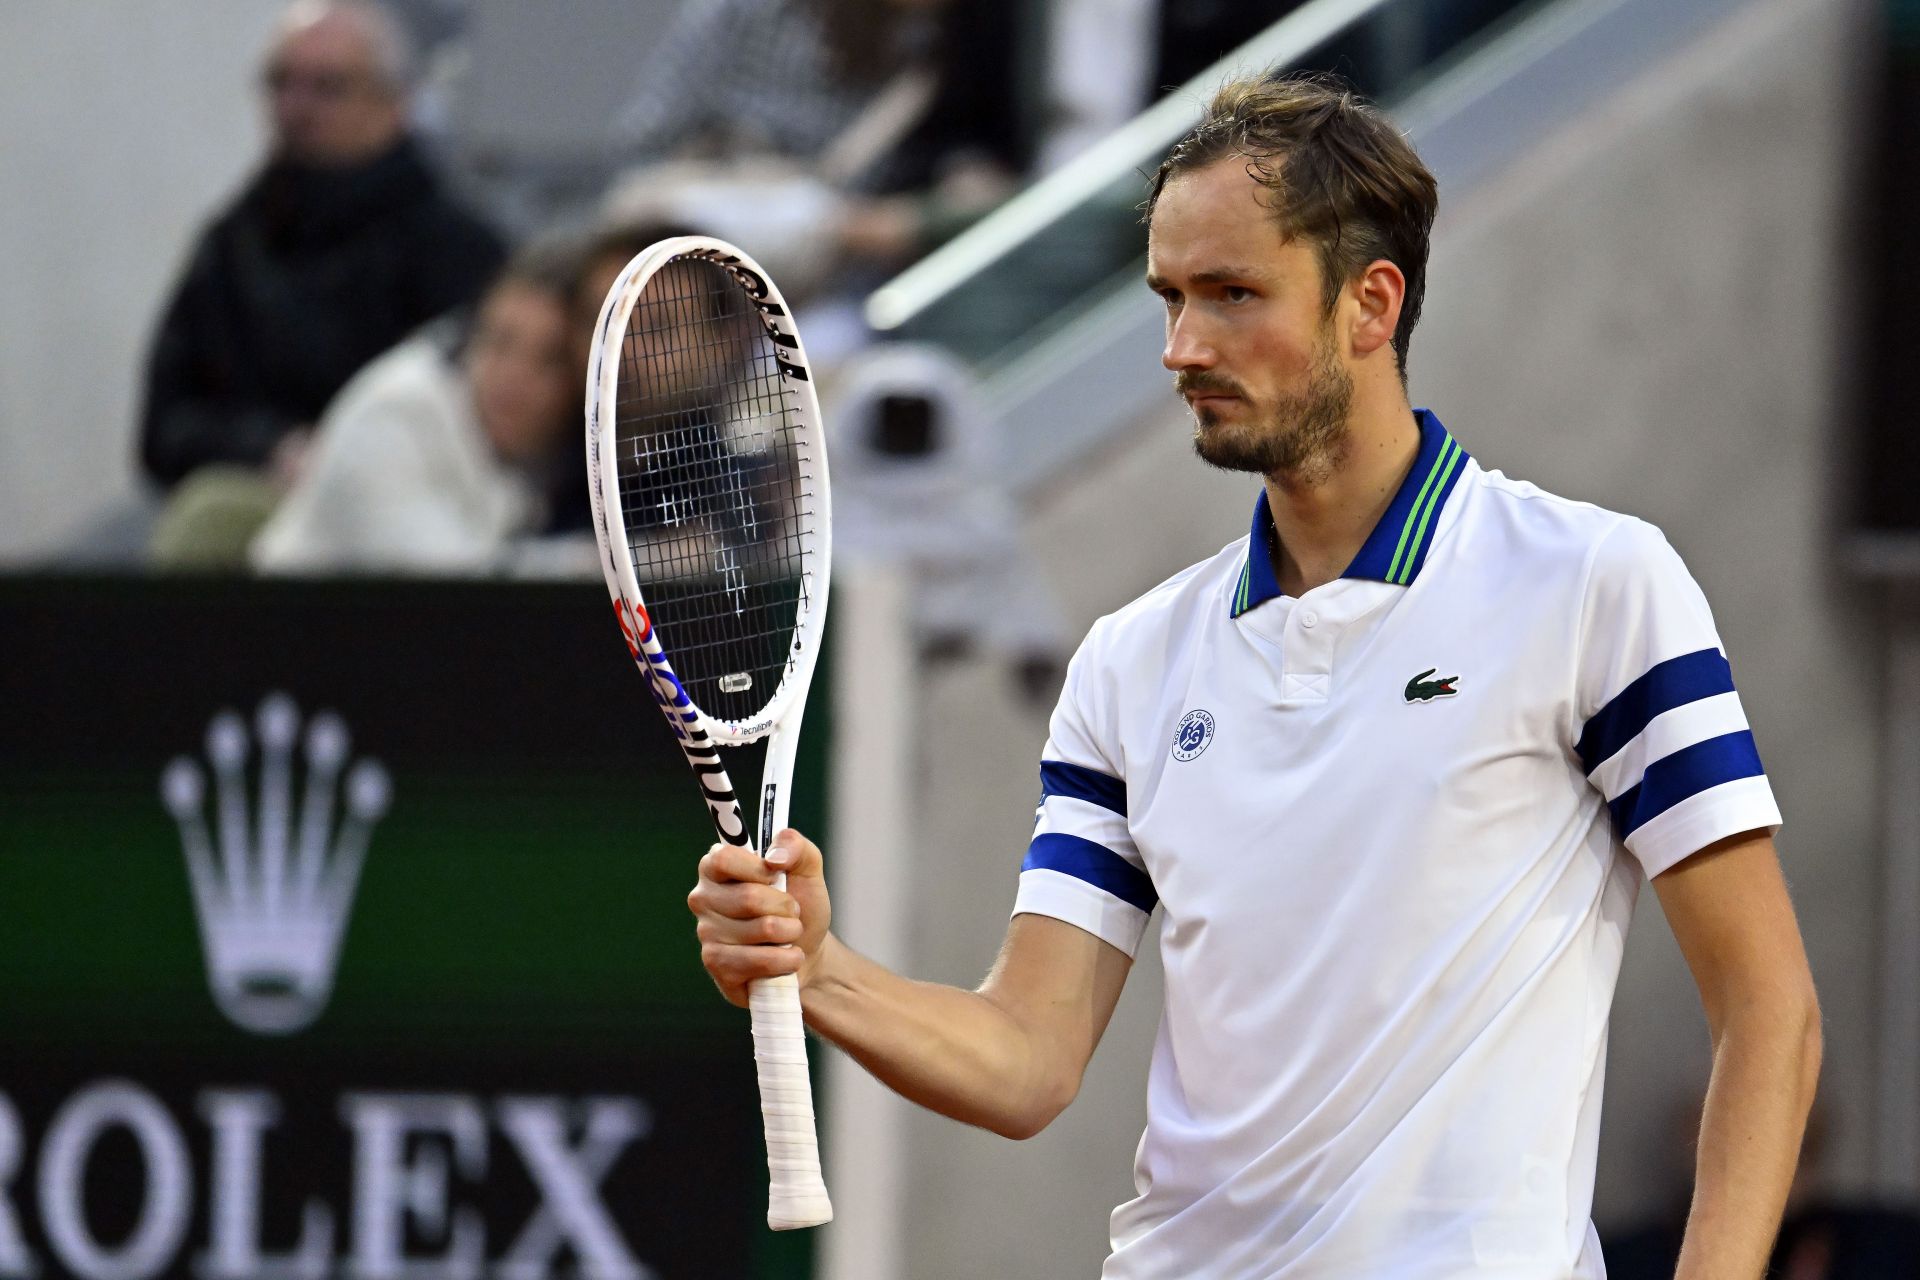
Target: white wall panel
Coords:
[[126, 123]]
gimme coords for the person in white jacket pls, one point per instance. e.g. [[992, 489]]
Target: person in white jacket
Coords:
[[432, 460]]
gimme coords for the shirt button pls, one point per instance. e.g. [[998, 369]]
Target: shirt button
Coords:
[[1309, 618]]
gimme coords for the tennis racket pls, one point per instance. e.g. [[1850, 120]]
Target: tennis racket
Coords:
[[709, 491]]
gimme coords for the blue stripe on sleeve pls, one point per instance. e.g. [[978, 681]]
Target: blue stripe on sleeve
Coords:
[[1095, 863], [1058, 778], [1673, 683], [1687, 772]]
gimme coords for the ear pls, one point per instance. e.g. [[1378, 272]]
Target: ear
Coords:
[[1375, 294]]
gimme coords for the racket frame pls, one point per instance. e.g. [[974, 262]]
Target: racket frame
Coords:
[[604, 481], [797, 1194]]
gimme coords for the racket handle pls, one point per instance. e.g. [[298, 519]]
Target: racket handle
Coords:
[[797, 1196]]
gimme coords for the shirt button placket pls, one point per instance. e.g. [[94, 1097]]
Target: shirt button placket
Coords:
[[1309, 650]]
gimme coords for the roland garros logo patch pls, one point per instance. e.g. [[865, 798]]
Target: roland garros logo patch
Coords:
[[1193, 735]]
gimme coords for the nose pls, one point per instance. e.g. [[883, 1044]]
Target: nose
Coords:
[[1187, 346]]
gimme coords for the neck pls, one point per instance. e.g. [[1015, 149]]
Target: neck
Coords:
[[1324, 510]]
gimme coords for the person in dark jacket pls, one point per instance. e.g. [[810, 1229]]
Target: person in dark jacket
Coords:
[[340, 246]]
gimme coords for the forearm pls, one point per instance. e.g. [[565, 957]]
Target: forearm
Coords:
[[952, 1051], [1765, 1064]]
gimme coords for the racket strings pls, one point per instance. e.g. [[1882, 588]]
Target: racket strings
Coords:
[[716, 485]]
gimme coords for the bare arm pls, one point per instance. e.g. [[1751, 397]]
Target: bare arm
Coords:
[[1729, 910], [1007, 1057]]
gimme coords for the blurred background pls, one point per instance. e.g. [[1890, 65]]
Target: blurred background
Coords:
[[293, 315]]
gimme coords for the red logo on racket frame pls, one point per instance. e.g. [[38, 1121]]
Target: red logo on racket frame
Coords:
[[635, 626]]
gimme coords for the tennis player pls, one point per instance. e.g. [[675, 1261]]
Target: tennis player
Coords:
[[1392, 768]]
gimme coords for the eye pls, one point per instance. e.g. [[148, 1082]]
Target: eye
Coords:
[[1236, 293]]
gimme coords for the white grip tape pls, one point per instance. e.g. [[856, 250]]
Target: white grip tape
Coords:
[[798, 1196]]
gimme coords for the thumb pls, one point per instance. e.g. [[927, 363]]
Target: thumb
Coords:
[[794, 854]]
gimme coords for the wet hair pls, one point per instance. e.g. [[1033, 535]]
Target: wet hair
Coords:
[[1340, 176]]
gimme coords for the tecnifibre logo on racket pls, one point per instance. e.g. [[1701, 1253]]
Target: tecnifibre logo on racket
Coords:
[[773, 316], [273, 902], [1193, 735]]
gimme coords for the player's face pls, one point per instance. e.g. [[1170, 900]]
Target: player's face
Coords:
[[1249, 340]]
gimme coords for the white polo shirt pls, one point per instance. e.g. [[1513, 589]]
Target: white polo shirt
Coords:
[[1384, 825]]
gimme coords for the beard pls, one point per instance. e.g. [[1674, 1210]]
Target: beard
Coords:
[[1303, 434]]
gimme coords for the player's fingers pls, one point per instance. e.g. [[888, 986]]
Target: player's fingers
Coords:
[[725, 862], [794, 854], [738, 900], [757, 931], [733, 967]]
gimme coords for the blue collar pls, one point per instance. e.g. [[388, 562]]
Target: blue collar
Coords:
[[1398, 545]]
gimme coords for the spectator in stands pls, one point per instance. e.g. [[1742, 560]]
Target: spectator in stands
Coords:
[[912, 111], [604, 255], [608, 250], [440, 456], [341, 245]]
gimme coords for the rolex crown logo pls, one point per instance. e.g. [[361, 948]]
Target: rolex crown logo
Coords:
[[273, 881]]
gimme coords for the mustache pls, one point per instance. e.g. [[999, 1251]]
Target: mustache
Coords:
[[1205, 384]]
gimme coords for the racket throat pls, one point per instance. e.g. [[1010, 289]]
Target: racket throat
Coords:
[[716, 788], [768, 794]]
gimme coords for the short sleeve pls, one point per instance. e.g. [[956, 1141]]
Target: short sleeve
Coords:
[[1082, 866], [1662, 735]]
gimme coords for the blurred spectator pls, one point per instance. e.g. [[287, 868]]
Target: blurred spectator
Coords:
[[1109, 60], [1194, 34], [604, 255], [908, 112], [339, 247], [1099, 74], [438, 456], [608, 251]]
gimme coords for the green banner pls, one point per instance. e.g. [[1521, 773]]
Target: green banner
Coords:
[[348, 936]]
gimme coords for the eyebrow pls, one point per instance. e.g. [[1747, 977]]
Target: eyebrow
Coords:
[[1213, 275]]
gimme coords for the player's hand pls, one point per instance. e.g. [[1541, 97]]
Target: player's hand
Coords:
[[747, 928]]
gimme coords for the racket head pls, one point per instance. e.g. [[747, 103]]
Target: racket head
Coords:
[[708, 474]]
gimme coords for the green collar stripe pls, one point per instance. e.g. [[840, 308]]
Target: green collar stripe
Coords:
[[1393, 566], [1240, 596], [1443, 468]]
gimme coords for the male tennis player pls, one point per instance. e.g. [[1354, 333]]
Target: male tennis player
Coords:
[[1392, 768]]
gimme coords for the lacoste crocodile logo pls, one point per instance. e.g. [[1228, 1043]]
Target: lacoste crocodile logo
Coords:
[[1421, 689]]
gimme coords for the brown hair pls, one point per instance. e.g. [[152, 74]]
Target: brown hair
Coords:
[[1341, 175], [550, 263], [621, 239]]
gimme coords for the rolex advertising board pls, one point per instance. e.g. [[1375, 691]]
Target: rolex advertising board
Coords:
[[346, 936]]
